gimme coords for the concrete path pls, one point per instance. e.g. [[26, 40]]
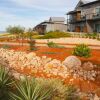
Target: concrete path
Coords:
[[71, 41]]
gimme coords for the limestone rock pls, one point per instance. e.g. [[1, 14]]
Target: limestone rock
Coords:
[[88, 66], [72, 61]]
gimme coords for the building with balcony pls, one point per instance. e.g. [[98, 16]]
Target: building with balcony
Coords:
[[85, 17], [53, 24]]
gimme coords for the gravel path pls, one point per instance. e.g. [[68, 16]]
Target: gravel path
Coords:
[[44, 44]]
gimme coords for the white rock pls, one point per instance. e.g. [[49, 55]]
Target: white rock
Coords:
[[72, 62]]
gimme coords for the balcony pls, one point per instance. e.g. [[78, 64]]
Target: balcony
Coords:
[[76, 19], [93, 16]]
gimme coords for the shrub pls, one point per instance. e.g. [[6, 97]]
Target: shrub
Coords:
[[92, 35], [72, 93], [82, 50], [32, 45], [54, 45], [5, 46], [60, 91], [29, 89], [55, 34], [6, 83], [58, 86]]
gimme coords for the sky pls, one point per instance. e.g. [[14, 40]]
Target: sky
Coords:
[[28, 13]]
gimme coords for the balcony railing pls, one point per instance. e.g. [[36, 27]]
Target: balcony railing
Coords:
[[92, 16]]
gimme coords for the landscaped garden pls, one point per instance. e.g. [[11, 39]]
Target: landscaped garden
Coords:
[[50, 72]]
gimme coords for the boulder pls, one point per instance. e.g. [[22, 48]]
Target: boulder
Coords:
[[72, 62], [88, 66]]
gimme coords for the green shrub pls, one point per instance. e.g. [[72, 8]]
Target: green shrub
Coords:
[[55, 34], [32, 45], [58, 86], [92, 35], [60, 91], [30, 89], [5, 46], [82, 50], [6, 83], [72, 93], [54, 45]]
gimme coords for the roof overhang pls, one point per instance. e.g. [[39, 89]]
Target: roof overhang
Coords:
[[72, 12]]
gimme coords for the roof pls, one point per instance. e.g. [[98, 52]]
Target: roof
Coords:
[[56, 19], [82, 3], [86, 1], [90, 2], [72, 12]]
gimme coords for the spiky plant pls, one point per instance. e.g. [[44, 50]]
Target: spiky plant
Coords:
[[29, 89], [6, 82]]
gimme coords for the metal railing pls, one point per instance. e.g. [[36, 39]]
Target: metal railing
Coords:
[[92, 16]]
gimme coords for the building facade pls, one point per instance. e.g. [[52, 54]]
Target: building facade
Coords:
[[85, 17], [53, 24]]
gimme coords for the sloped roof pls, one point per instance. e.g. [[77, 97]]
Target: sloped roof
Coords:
[[86, 1], [54, 19], [91, 2]]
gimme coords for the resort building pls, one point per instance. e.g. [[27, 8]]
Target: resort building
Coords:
[[85, 17], [53, 24]]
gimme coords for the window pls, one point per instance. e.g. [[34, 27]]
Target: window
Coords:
[[98, 10], [97, 28]]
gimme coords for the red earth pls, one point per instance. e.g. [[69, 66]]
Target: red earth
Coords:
[[61, 54]]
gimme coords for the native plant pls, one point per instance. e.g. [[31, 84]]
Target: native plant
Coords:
[[54, 45], [30, 89], [18, 31], [31, 40], [82, 50], [5, 46], [72, 93], [6, 83], [55, 34]]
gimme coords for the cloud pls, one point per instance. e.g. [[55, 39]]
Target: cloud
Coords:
[[7, 19], [29, 13], [48, 5]]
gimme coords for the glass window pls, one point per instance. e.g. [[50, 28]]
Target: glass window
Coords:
[[98, 10], [97, 28]]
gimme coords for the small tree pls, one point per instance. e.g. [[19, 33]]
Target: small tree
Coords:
[[17, 30], [31, 40]]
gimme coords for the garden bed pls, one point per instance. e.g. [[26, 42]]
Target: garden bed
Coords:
[[59, 53], [56, 53]]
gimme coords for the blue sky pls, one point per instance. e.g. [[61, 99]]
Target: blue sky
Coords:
[[28, 13]]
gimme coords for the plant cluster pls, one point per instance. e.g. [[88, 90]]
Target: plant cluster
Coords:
[[34, 88], [55, 34], [82, 50], [5, 46], [54, 45]]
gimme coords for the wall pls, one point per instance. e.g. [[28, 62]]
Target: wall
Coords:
[[89, 9], [54, 27]]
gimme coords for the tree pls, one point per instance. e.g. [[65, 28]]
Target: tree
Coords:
[[30, 33], [17, 30]]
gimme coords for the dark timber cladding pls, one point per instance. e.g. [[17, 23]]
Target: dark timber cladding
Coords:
[[85, 17]]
